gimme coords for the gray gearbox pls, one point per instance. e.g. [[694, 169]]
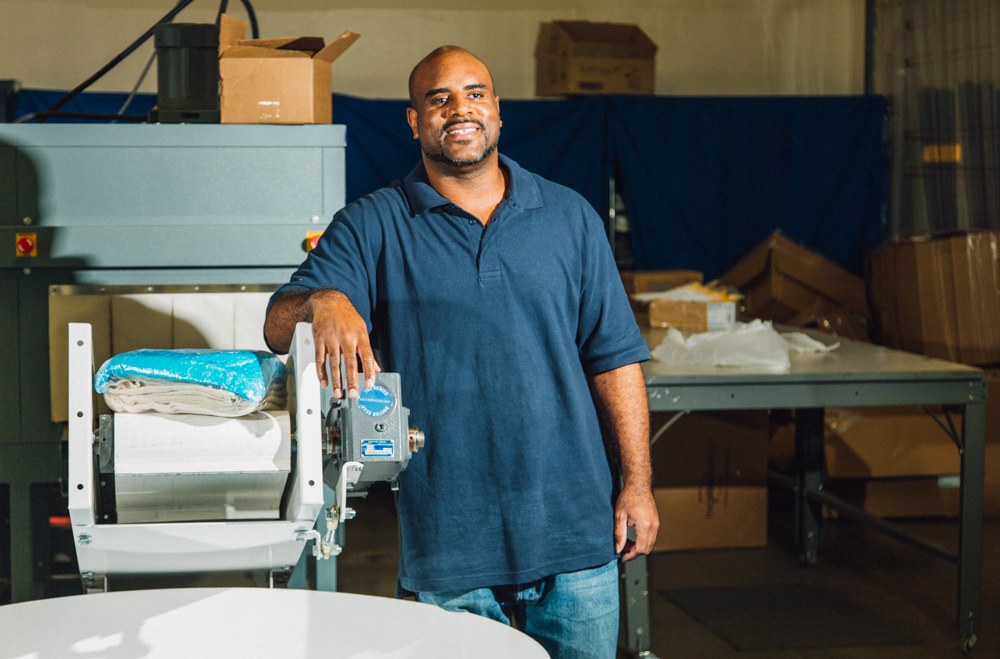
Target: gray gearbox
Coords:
[[373, 430]]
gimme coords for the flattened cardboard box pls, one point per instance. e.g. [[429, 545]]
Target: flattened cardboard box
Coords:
[[876, 442], [580, 57], [710, 478], [276, 81], [900, 497]]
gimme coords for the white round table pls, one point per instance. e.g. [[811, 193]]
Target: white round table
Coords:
[[217, 623]]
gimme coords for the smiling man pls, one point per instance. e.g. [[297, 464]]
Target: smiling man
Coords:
[[494, 294]]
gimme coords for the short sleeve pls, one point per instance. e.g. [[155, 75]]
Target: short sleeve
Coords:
[[607, 336]]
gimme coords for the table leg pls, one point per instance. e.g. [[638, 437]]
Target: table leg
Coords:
[[808, 476], [635, 600], [970, 550]]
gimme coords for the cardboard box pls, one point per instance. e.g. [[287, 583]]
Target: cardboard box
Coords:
[[938, 296], [646, 281], [688, 316], [710, 478], [876, 442], [786, 283], [276, 81], [580, 57], [901, 497]]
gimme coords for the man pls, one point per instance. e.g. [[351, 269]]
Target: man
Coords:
[[494, 294]]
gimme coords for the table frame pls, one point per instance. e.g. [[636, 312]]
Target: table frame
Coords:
[[855, 374]]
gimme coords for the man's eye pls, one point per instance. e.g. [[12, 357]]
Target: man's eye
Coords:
[[437, 101], [476, 95]]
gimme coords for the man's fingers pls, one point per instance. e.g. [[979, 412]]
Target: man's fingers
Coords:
[[320, 363], [337, 381], [644, 539], [621, 531], [631, 551], [351, 371], [369, 365]]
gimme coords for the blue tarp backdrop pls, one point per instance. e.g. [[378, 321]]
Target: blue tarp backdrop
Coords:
[[705, 178]]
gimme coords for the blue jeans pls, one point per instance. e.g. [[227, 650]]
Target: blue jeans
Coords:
[[573, 615]]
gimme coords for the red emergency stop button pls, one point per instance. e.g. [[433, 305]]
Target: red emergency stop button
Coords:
[[26, 244], [312, 239]]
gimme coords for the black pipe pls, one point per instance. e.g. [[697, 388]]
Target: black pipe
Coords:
[[118, 58], [870, 20]]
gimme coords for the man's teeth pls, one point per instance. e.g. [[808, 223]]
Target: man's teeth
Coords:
[[462, 131]]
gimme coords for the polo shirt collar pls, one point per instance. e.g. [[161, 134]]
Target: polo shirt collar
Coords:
[[523, 190]]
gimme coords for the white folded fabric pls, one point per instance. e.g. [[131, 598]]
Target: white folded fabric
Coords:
[[168, 397]]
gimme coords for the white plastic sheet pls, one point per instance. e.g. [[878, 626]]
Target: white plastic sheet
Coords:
[[750, 345]]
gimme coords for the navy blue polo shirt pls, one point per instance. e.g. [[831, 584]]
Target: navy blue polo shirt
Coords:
[[493, 331]]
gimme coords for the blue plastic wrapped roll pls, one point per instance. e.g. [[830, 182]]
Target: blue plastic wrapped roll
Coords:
[[253, 376]]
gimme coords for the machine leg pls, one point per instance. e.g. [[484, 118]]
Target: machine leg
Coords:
[[808, 476], [21, 465], [635, 601], [24, 586], [970, 543], [312, 574]]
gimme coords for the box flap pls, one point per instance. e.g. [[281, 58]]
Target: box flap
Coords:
[[258, 52], [231, 30], [337, 47], [606, 39], [779, 254], [309, 44]]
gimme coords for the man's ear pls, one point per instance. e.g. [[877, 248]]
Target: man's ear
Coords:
[[411, 118]]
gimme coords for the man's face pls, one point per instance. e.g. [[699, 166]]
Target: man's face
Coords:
[[456, 115]]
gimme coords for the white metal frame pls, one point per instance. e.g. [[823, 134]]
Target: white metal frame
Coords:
[[106, 550]]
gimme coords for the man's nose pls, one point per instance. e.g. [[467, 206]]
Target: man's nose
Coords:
[[459, 106]]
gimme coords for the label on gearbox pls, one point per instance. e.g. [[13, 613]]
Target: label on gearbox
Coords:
[[376, 401], [376, 448]]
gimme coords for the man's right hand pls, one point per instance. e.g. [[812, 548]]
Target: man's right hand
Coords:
[[339, 330]]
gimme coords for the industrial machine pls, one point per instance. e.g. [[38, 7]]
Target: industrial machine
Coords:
[[154, 494], [104, 218]]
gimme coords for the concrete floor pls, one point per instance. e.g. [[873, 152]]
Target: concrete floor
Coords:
[[908, 588]]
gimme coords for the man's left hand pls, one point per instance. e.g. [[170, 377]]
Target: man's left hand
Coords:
[[635, 507]]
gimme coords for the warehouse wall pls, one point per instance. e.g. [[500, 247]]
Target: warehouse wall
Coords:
[[728, 47]]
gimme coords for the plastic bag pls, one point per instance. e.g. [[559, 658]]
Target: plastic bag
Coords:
[[755, 344], [220, 382]]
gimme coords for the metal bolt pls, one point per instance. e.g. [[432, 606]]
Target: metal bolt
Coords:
[[380, 427], [27, 271], [314, 219], [27, 221]]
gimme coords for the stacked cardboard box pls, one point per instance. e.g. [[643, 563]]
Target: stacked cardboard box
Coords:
[[710, 480], [888, 461], [647, 281], [689, 316], [580, 57], [786, 283], [939, 296], [276, 81]]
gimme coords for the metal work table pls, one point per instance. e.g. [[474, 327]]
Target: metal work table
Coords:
[[855, 374]]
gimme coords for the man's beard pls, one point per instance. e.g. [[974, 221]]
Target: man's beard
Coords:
[[439, 155]]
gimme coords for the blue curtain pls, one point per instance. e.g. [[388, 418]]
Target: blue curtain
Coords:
[[564, 141], [704, 179]]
